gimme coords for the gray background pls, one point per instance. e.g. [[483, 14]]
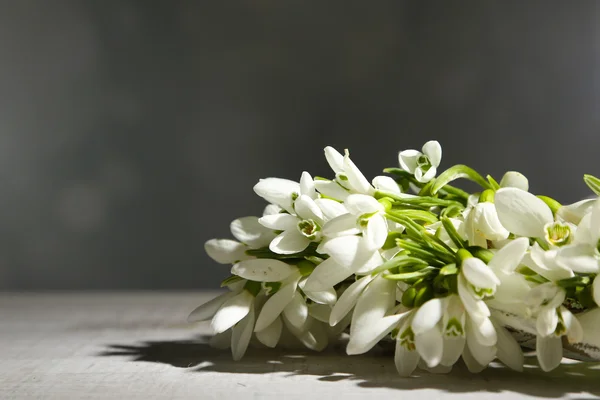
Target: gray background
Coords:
[[133, 131]]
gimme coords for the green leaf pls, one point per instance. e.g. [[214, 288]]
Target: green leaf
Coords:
[[493, 183], [411, 275], [418, 215], [230, 280], [593, 183], [457, 172], [453, 233]]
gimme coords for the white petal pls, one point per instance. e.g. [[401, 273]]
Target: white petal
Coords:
[[307, 185], [342, 225], [509, 350], [327, 274], [484, 332], [521, 212], [472, 364], [595, 222], [549, 352], [241, 335], [320, 312], [296, 312], [479, 274], [334, 159], [433, 151], [374, 261], [427, 316], [476, 308], [278, 191], [207, 310], [573, 213], [386, 184], [453, 348], [596, 290], [590, 324], [546, 321], [271, 334], [275, 305], [512, 290], [481, 353], [331, 189], [579, 257], [574, 328], [262, 270], [430, 346], [515, 179], [583, 234], [331, 208], [249, 231], [369, 323], [406, 360], [289, 242], [359, 204], [232, 311], [306, 208], [225, 251], [508, 258], [408, 160], [315, 338], [279, 222], [376, 232], [546, 264], [486, 220], [425, 177], [356, 179], [348, 299], [349, 251], [455, 310], [367, 336], [328, 296], [271, 209]]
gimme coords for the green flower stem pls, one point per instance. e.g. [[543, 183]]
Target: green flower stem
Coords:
[[458, 172], [550, 202]]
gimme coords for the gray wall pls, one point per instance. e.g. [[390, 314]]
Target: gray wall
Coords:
[[133, 131]]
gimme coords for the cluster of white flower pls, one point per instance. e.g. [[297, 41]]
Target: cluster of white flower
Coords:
[[444, 273]]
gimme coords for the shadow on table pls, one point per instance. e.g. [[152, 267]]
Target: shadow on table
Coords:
[[374, 369]]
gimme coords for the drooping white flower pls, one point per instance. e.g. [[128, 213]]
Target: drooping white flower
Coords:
[[515, 179], [233, 311], [366, 215], [373, 318], [250, 235], [348, 178], [482, 224], [513, 286], [583, 255], [347, 255], [552, 322], [521, 212], [423, 165]]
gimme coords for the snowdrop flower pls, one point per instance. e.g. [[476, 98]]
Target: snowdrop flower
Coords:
[[250, 235], [348, 178], [366, 215], [482, 223], [513, 286], [373, 316], [232, 311], [303, 225], [423, 165], [553, 321], [573, 213], [515, 179], [521, 212], [347, 255], [584, 254]]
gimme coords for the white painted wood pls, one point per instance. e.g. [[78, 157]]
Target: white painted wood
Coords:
[[138, 346]]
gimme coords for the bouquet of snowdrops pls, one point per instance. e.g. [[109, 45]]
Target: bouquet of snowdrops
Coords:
[[444, 273]]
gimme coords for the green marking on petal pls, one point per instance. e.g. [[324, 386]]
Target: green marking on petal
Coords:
[[558, 234]]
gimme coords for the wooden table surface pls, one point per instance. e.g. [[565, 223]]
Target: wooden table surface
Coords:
[[138, 346]]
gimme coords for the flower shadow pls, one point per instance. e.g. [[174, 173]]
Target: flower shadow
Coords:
[[371, 370]]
